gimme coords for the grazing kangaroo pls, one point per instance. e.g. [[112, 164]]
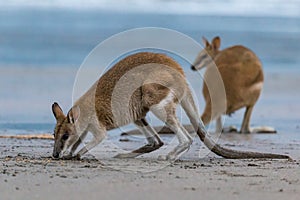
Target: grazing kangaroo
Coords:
[[242, 75], [161, 87]]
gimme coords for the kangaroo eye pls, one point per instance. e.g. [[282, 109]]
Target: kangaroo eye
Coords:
[[203, 57], [65, 136]]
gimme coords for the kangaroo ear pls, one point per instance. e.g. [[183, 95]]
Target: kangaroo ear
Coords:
[[216, 43], [57, 111], [205, 42], [73, 114]]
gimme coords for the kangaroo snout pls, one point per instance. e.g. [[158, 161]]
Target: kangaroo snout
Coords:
[[55, 155], [193, 68]]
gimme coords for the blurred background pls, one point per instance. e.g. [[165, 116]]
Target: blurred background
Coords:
[[43, 43]]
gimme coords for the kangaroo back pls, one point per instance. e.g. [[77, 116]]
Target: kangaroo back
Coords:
[[108, 82]]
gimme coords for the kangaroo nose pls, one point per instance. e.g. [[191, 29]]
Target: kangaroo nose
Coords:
[[193, 68], [55, 155]]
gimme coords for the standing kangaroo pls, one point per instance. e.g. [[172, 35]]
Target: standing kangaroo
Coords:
[[161, 87], [242, 75]]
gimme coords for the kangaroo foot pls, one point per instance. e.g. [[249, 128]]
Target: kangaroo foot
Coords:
[[127, 155], [142, 150], [230, 129], [71, 157], [176, 152], [263, 129]]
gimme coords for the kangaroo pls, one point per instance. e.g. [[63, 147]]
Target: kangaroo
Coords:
[[161, 87], [242, 74]]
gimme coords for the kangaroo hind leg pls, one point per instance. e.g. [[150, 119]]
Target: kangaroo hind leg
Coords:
[[166, 111], [246, 124], [153, 139]]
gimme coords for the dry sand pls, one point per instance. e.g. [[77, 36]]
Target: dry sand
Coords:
[[27, 172]]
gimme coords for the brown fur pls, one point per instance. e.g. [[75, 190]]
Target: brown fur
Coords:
[[240, 70], [160, 87], [144, 97]]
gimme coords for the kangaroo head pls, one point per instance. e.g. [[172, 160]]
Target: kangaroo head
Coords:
[[65, 134], [207, 55]]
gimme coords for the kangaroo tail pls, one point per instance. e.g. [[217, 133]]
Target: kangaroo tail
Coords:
[[191, 110]]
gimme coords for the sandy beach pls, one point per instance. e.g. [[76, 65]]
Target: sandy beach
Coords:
[[28, 172]]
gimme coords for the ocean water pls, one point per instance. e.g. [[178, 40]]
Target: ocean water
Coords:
[[42, 45], [287, 8]]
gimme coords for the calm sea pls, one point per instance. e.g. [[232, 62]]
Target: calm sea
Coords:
[[41, 50]]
